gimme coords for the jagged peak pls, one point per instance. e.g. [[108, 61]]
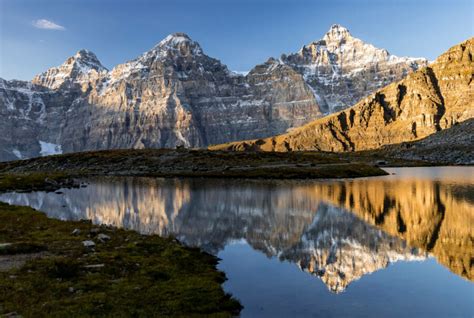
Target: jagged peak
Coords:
[[84, 54], [334, 37], [181, 42], [85, 58], [76, 68], [173, 46], [339, 40], [337, 33], [176, 38]]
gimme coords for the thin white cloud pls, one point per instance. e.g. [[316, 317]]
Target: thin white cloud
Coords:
[[47, 25]]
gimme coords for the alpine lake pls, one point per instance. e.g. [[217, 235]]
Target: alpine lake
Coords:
[[393, 246]]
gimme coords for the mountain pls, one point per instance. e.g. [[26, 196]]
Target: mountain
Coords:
[[176, 95], [171, 95], [342, 69], [431, 99], [83, 67]]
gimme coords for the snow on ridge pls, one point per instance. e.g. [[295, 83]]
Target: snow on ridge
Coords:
[[238, 73], [34, 99], [162, 50], [80, 68], [172, 42], [86, 60], [337, 33], [175, 39], [48, 149], [315, 94]]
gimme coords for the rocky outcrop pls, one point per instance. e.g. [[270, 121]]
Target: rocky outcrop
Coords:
[[25, 116], [450, 146], [431, 99], [176, 95]]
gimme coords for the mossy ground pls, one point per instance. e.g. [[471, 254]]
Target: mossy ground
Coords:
[[199, 163], [129, 275], [33, 181]]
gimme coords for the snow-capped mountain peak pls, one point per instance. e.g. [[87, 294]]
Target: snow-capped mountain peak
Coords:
[[79, 68], [172, 50], [178, 43], [87, 60], [175, 39], [337, 33], [342, 68]]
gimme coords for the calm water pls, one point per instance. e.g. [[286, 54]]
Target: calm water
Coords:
[[394, 246]]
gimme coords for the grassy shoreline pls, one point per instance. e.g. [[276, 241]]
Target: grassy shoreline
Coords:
[[199, 163], [54, 268], [47, 269]]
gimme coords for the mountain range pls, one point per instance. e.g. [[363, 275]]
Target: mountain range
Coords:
[[176, 95], [433, 98]]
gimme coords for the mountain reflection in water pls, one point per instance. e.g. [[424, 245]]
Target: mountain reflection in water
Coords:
[[336, 230]]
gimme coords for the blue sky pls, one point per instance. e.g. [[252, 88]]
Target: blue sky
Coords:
[[239, 33]]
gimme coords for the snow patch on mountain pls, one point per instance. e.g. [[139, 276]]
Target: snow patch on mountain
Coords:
[[17, 153], [48, 149]]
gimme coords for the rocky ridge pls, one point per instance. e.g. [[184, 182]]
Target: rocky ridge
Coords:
[[176, 95]]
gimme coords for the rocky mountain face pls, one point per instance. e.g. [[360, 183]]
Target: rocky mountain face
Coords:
[[174, 94], [431, 99]]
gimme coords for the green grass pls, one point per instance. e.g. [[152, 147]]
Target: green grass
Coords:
[[138, 276]]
